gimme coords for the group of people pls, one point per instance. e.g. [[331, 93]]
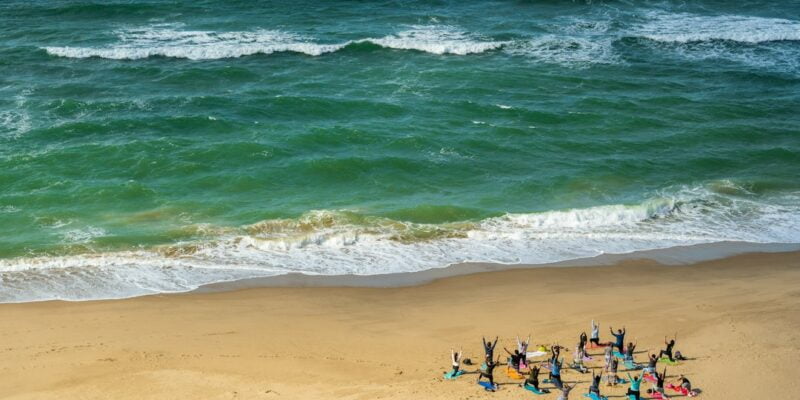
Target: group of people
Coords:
[[519, 366]]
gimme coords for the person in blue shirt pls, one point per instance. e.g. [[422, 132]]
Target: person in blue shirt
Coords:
[[635, 383], [620, 336]]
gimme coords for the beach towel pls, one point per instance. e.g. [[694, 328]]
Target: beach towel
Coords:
[[451, 375], [629, 364], [534, 354], [594, 396], [488, 386], [682, 390], [657, 396], [649, 378], [534, 390], [618, 354], [513, 374], [587, 358], [666, 360]]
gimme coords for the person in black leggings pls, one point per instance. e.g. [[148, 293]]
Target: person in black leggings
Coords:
[[489, 373], [595, 388], [668, 350], [533, 378]]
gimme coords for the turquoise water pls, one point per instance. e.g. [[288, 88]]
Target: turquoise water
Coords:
[[153, 146]]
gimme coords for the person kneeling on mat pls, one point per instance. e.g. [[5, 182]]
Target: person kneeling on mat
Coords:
[[489, 372]]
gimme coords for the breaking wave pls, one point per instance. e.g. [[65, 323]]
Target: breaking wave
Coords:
[[347, 242]]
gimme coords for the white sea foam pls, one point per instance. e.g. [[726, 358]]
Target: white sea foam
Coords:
[[686, 28], [209, 45], [334, 243], [437, 39], [565, 50]]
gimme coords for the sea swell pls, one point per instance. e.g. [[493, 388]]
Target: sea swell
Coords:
[[349, 242]]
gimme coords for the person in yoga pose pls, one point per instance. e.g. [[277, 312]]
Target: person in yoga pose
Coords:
[[684, 384], [629, 350], [595, 388], [612, 372], [595, 339], [609, 355], [583, 340], [668, 350], [533, 379], [660, 381], [455, 357], [565, 389], [522, 346], [651, 364], [620, 336], [488, 373], [635, 383], [488, 348], [555, 372], [516, 357]]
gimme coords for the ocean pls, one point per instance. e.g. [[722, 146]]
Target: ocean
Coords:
[[156, 146]]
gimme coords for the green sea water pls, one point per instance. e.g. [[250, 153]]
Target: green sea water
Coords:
[[151, 146]]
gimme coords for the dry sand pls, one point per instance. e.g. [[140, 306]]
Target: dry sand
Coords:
[[737, 318]]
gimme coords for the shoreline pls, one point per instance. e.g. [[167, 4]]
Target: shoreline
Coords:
[[736, 319], [677, 255]]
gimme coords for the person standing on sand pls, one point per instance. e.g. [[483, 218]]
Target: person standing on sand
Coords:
[[620, 336], [609, 355], [488, 348], [595, 339]]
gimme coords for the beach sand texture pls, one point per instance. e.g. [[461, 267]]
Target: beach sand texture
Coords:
[[736, 318]]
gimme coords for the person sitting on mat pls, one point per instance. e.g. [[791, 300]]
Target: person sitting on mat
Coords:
[[595, 339], [684, 384], [488, 373], [635, 383], [668, 350], [565, 389], [620, 336], [455, 357], [488, 348], [629, 350], [516, 357]]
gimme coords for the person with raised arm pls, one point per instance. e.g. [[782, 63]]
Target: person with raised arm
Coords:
[[668, 350], [635, 383], [595, 337], [620, 336], [488, 348]]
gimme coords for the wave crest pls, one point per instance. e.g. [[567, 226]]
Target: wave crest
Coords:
[[209, 45], [349, 242]]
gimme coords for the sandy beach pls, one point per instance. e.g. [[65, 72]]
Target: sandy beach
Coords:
[[736, 320]]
